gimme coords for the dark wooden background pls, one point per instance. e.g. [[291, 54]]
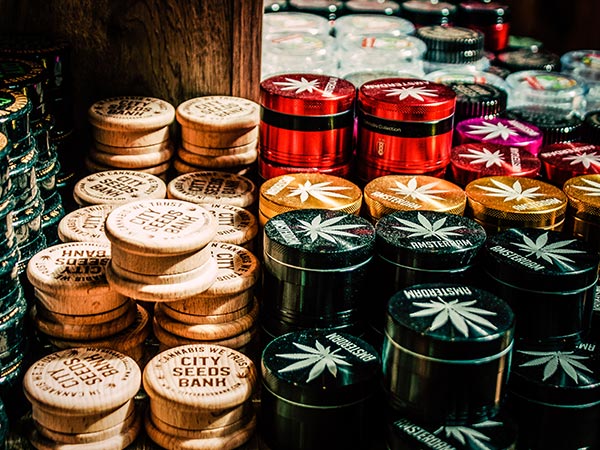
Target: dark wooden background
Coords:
[[174, 50]]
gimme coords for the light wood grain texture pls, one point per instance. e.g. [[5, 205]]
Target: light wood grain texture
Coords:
[[194, 319], [84, 331], [208, 151], [85, 438], [117, 442], [167, 340], [204, 276], [155, 265], [84, 319], [73, 304], [87, 423], [228, 442], [129, 151], [132, 161], [130, 139], [207, 331], [204, 432], [218, 162], [202, 305]]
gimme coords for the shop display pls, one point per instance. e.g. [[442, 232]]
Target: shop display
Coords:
[[222, 247]]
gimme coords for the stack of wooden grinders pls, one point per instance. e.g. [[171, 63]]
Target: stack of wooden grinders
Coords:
[[200, 398], [159, 250], [131, 133], [225, 314], [217, 133], [75, 306], [83, 398], [116, 187]]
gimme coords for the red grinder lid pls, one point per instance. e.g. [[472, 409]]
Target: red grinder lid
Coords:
[[476, 160], [570, 159], [406, 99], [307, 94]]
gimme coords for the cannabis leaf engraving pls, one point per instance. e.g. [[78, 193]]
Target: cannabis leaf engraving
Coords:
[[462, 315], [514, 192], [552, 253], [299, 86], [585, 159], [327, 229], [416, 92], [484, 156], [319, 357], [427, 229], [551, 361], [412, 190], [593, 190], [492, 130], [475, 439], [321, 191]]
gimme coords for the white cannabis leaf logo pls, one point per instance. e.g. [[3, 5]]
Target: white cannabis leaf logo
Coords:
[[552, 253], [593, 190], [484, 156], [416, 92], [300, 85], [492, 130], [586, 159], [462, 315], [427, 229], [423, 193], [320, 358], [470, 436], [514, 192], [321, 191], [567, 361], [327, 229]]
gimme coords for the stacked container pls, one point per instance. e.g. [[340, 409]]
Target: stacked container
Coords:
[[217, 133], [404, 127], [307, 125], [131, 132]]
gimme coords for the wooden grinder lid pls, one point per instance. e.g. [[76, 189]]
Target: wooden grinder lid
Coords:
[[82, 380], [85, 224], [131, 113], [117, 187], [160, 227], [208, 377], [71, 268]]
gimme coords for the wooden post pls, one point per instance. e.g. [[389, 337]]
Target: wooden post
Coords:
[[171, 49]]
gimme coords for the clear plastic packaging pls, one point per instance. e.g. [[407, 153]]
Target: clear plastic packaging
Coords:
[[295, 22], [464, 75], [481, 65], [379, 51], [298, 52], [536, 87], [358, 24], [585, 64]]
